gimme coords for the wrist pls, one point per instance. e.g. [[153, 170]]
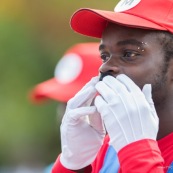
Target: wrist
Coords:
[[75, 163]]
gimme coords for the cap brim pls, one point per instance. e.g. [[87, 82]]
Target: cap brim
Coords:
[[92, 22], [52, 89]]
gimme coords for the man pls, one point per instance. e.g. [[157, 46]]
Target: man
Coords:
[[132, 97], [72, 71]]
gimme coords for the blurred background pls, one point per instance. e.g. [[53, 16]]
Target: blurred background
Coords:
[[34, 34]]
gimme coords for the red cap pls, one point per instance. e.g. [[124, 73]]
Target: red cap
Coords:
[[78, 65], [146, 14]]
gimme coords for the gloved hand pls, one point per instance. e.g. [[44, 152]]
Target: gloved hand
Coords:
[[128, 113], [82, 129]]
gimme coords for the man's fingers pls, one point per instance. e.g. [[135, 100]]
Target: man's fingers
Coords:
[[76, 114], [128, 83], [114, 84], [105, 91], [82, 97], [147, 93], [92, 82], [97, 123]]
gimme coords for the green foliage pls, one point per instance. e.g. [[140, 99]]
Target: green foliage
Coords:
[[26, 130]]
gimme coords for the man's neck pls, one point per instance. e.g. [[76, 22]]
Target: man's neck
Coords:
[[165, 114]]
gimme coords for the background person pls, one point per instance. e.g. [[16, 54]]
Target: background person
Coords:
[[77, 66]]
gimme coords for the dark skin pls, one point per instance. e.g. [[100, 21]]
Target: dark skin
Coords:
[[139, 54]]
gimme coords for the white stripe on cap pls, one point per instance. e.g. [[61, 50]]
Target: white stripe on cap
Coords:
[[124, 5]]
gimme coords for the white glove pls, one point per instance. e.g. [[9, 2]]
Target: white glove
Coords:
[[128, 113], [82, 129]]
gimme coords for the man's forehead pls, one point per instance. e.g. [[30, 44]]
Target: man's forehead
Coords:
[[113, 31], [113, 26]]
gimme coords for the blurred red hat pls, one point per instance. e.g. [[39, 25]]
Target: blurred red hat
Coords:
[[78, 65]]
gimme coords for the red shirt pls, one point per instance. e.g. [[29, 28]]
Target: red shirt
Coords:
[[144, 156]]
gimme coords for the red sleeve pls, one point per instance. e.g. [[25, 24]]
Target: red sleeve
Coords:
[[97, 164], [141, 156], [59, 168], [166, 147]]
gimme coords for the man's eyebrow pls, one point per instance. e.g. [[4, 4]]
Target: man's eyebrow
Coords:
[[126, 42], [132, 42]]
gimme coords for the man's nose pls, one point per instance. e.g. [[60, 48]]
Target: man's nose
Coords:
[[110, 67]]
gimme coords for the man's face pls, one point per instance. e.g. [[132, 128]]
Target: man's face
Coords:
[[137, 53]]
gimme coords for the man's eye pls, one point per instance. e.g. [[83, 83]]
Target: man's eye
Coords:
[[130, 55], [104, 57]]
